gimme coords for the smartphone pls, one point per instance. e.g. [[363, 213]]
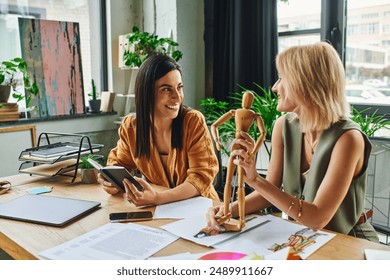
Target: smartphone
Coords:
[[135, 216]]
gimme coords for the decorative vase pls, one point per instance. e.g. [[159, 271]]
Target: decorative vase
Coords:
[[88, 176], [5, 92], [94, 106]]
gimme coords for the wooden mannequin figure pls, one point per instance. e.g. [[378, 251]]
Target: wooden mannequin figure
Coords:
[[244, 118]]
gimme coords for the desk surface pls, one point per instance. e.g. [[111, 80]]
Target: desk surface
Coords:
[[25, 241]]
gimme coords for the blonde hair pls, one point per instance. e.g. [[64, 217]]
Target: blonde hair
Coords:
[[316, 81]]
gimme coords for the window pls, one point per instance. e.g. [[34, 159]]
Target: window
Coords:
[[368, 51], [297, 26], [86, 13], [366, 43]]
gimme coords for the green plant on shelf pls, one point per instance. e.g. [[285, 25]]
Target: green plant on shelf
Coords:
[[93, 94], [143, 44], [9, 76]]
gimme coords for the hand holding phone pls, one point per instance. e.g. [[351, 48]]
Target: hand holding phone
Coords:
[[134, 216]]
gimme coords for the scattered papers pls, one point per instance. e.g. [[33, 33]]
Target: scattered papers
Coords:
[[183, 209], [266, 237], [263, 237], [113, 241]]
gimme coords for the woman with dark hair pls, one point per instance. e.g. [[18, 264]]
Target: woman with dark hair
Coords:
[[168, 142]]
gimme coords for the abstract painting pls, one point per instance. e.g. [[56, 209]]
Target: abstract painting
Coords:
[[51, 50]]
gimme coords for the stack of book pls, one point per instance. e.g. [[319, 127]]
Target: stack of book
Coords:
[[9, 112]]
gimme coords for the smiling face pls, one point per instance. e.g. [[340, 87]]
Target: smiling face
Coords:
[[168, 95]]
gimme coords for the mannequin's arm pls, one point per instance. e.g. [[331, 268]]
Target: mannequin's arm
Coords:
[[214, 127], [260, 141]]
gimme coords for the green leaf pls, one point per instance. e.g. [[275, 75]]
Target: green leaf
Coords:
[[146, 44], [370, 123]]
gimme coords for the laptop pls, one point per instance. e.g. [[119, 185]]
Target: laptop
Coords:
[[46, 210]]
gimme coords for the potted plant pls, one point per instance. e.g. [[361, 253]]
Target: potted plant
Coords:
[[10, 74], [143, 44], [94, 102], [88, 173]]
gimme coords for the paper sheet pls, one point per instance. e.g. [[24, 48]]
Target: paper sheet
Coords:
[[189, 227], [373, 254], [113, 241], [184, 208]]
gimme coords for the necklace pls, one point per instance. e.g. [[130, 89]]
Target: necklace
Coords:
[[312, 144]]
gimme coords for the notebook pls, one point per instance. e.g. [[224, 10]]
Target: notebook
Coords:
[[46, 210]]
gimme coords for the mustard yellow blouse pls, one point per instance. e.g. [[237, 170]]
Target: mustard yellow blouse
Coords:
[[195, 163]]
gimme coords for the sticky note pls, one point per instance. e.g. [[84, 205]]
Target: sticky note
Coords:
[[39, 190]]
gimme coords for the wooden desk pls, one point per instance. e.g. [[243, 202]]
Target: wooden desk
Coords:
[[25, 241]]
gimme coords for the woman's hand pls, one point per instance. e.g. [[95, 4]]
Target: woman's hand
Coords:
[[140, 198], [214, 213], [107, 186], [245, 158]]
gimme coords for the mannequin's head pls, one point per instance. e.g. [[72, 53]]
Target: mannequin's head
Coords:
[[247, 99]]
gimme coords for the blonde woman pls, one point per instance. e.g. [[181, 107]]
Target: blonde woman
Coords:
[[318, 169]]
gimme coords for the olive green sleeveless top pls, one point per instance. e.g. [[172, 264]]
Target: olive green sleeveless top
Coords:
[[352, 206]]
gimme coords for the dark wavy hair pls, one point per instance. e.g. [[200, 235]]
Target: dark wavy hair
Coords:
[[151, 70]]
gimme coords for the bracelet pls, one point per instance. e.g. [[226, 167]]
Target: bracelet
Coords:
[[289, 208], [300, 209]]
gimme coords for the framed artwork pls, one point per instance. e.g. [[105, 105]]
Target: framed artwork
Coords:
[[51, 50]]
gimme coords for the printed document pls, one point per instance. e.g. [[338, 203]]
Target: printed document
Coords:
[[184, 208], [113, 241]]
